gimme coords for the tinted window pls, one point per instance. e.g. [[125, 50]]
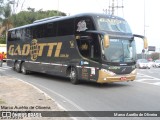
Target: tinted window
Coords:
[[14, 35], [66, 27], [27, 33], [89, 46], [18, 34], [112, 24], [50, 29], [38, 31], [9, 36], [83, 24]]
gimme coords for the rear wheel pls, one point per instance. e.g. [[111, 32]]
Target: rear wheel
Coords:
[[17, 67], [73, 76], [23, 68]]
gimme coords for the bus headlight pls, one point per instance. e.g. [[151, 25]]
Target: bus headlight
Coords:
[[108, 72], [134, 71]]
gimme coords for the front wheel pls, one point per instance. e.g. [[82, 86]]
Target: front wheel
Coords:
[[73, 76], [23, 68]]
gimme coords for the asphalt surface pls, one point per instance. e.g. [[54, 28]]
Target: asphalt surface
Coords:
[[140, 95]]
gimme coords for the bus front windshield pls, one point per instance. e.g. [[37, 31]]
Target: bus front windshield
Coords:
[[120, 51], [113, 24]]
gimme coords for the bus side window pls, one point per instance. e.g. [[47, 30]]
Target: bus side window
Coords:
[[89, 47], [18, 34], [83, 23], [9, 36], [40, 31], [13, 35], [50, 29], [83, 46], [95, 48], [35, 31], [28, 33], [66, 27]]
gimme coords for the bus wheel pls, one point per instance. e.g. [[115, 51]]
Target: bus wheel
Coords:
[[17, 67], [23, 69], [73, 76]]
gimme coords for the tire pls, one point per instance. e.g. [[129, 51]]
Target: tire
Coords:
[[73, 76], [1, 62], [17, 67], [23, 69]]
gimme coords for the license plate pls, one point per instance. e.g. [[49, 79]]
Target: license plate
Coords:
[[123, 78]]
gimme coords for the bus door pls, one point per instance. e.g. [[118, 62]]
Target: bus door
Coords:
[[84, 49], [89, 50], [95, 57]]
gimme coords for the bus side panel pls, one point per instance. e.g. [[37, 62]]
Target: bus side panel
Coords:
[[96, 66], [59, 53], [51, 55], [10, 63], [48, 55]]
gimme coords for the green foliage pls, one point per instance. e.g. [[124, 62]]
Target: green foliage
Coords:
[[28, 17], [7, 10], [2, 39], [8, 20], [1, 3], [1, 10], [5, 23]]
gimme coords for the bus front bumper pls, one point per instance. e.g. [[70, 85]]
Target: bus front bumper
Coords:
[[107, 77]]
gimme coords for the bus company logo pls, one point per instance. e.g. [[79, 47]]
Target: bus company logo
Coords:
[[35, 49], [84, 47], [72, 44], [82, 26]]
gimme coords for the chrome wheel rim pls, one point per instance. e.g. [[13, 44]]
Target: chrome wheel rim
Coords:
[[72, 75], [23, 69]]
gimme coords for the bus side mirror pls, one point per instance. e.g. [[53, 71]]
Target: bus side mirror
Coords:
[[106, 41], [144, 40], [145, 43]]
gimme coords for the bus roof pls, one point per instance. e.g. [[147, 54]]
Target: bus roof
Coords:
[[55, 18], [46, 19]]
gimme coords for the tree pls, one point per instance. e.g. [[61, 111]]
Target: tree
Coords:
[[1, 10], [9, 19], [1, 6], [6, 23], [31, 9], [28, 17]]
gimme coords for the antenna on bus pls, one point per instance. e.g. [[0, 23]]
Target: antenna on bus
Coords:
[[45, 19]]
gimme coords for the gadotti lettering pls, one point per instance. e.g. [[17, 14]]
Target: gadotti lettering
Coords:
[[35, 49]]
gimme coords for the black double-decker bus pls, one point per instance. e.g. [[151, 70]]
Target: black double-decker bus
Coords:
[[92, 47]]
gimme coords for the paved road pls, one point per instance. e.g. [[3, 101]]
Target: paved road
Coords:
[[149, 76], [140, 95]]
